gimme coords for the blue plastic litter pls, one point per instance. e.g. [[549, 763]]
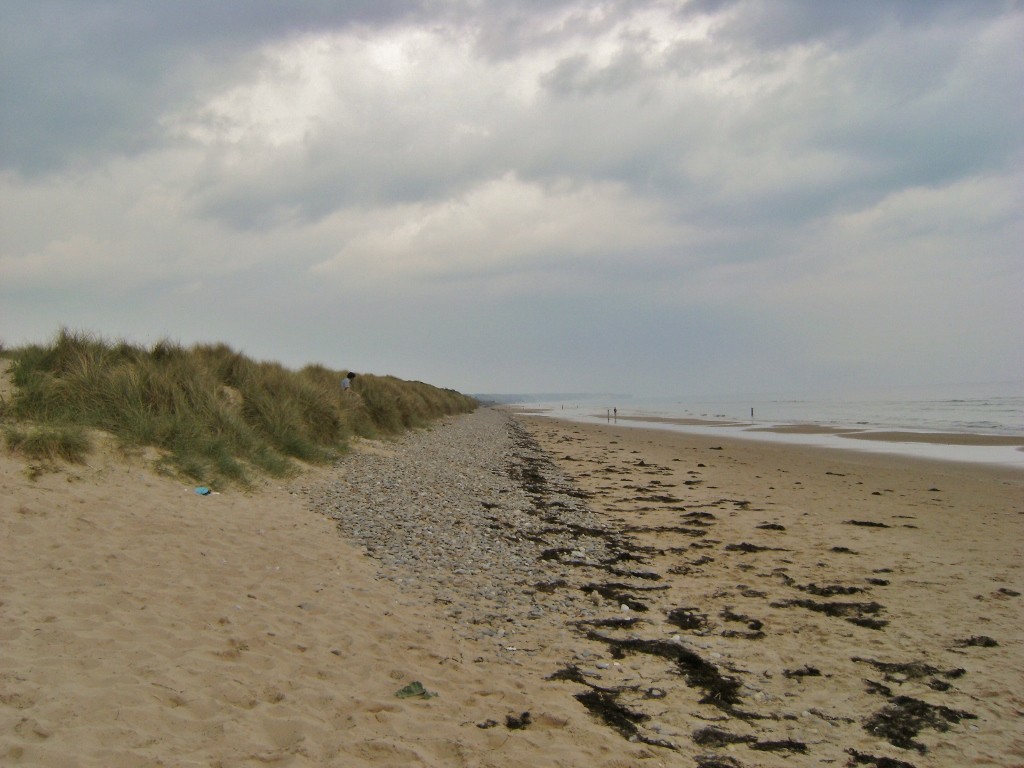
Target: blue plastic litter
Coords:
[[202, 490]]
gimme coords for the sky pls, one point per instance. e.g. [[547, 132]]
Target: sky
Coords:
[[692, 198]]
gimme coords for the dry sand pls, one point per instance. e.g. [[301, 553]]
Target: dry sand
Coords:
[[144, 625]]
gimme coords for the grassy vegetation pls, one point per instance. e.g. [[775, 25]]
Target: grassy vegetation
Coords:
[[216, 414], [49, 444]]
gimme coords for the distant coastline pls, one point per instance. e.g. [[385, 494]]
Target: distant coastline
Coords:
[[978, 431], [542, 397]]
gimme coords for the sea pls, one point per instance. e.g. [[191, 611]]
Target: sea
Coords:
[[996, 410]]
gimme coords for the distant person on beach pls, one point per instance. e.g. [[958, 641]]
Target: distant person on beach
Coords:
[[346, 383]]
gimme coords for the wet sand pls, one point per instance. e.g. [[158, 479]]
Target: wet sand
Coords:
[[868, 607], [887, 436]]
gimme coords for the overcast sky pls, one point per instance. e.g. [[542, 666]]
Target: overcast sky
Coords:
[[676, 198]]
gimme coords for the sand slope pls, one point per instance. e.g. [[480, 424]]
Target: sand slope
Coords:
[[144, 625]]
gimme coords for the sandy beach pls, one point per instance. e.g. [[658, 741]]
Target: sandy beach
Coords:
[[573, 594]]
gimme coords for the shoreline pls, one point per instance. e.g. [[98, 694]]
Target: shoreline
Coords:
[[956, 447]]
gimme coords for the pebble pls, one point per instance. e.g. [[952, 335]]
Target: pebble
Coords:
[[465, 510]]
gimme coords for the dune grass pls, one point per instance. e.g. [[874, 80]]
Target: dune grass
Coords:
[[49, 444], [216, 414]]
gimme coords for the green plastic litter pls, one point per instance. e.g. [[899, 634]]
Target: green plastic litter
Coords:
[[414, 690]]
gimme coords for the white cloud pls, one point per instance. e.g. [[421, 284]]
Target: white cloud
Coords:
[[827, 192], [504, 227]]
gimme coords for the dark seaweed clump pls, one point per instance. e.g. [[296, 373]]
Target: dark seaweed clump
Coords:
[[720, 690], [605, 705], [897, 672], [687, 618], [516, 723], [751, 548], [716, 737], [904, 717], [980, 641], [571, 673], [852, 612], [783, 745], [860, 758], [714, 761], [806, 671]]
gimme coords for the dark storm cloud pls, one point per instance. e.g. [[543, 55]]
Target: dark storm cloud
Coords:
[[773, 23], [82, 79]]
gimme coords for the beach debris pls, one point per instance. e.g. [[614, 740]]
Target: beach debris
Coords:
[[754, 625], [518, 722], [866, 523], [687, 618], [617, 593], [414, 690], [805, 671], [202, 490], [980, 641], [716, 737], [828, 590], [720, 690], [604, 705], [868, 623], [904, 717], [750, 548], [861, 758], [852, 612], [714, 761], [571, 672], [900, 672], [612, 623], [781, 745]]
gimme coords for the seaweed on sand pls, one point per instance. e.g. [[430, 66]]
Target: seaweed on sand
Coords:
[[720, 690], [714, 761], [716, 737], [783, 745], [749, 548], [898, 672], [605, 705], [904, 717], [612, 623], [687, 618], [852, 612], [860, 758]]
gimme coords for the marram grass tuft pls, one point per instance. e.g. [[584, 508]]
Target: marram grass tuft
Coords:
[[217, 415]]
